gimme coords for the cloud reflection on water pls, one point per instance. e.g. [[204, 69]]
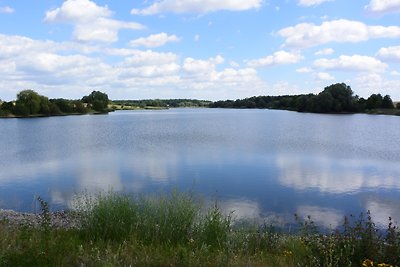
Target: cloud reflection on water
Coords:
[[382, 209], [326, 217], [241, 208], [24, 172], [155, 166], [336, 177], [99, 173]]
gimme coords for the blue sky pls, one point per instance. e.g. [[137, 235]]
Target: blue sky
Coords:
[[209, 49]]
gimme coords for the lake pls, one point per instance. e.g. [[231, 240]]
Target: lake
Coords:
[[261, 164]]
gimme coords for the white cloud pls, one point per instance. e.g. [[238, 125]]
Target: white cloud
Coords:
[[324, 52], [149, 57], [6, 9], [234, 64], [49, 62], [103, 29], [312, 2], [351, 63], [202, 66], [72, 69], [370, 82], [283, 88], [196, 38], [202, 75], [395, 73], [92, 22], [391, 53], [50, 69], [237, 76], [40, 70], [305, 35], [150, 71], [14, 45], [77, 10], [39, 65], [324, 76], [149, 64], [155, 40], [198, 7], [278, 58], [383, 6], [304, 70]]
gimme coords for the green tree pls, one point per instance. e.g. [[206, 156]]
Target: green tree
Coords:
[[301, 103], [361, 104], [44, 106], [8, 106], [374, 101], [21, 109], [4, 109], [323, 102], [343, 99], [387, 102], [79, 107], [64, 105], [97, 100], [28, 102], [398, 105], [54, 109]]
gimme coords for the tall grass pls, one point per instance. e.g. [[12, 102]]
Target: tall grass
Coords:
[[172, 229], [106, 216], [168, 219]]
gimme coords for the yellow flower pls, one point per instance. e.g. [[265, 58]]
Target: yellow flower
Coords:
[[368, 263], [287, 253], [384, 265]]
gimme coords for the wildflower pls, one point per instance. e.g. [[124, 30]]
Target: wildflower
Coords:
[[368, 263], [287, 253], [384, 265]]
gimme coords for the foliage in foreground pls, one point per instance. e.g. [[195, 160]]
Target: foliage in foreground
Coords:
[[172, 230]]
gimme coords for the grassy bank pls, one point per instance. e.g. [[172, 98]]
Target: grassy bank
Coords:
[[174, 230], [382, 111], [127, 107]]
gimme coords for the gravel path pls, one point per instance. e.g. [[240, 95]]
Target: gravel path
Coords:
[[59, 219]]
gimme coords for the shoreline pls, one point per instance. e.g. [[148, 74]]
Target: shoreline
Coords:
[[59, 219], [11, 116], [390, 112]]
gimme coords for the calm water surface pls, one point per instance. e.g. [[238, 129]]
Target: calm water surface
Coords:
[[261, 164]]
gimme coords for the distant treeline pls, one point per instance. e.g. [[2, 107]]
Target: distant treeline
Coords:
[[336, 98], [163, 103], [30, 103]]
